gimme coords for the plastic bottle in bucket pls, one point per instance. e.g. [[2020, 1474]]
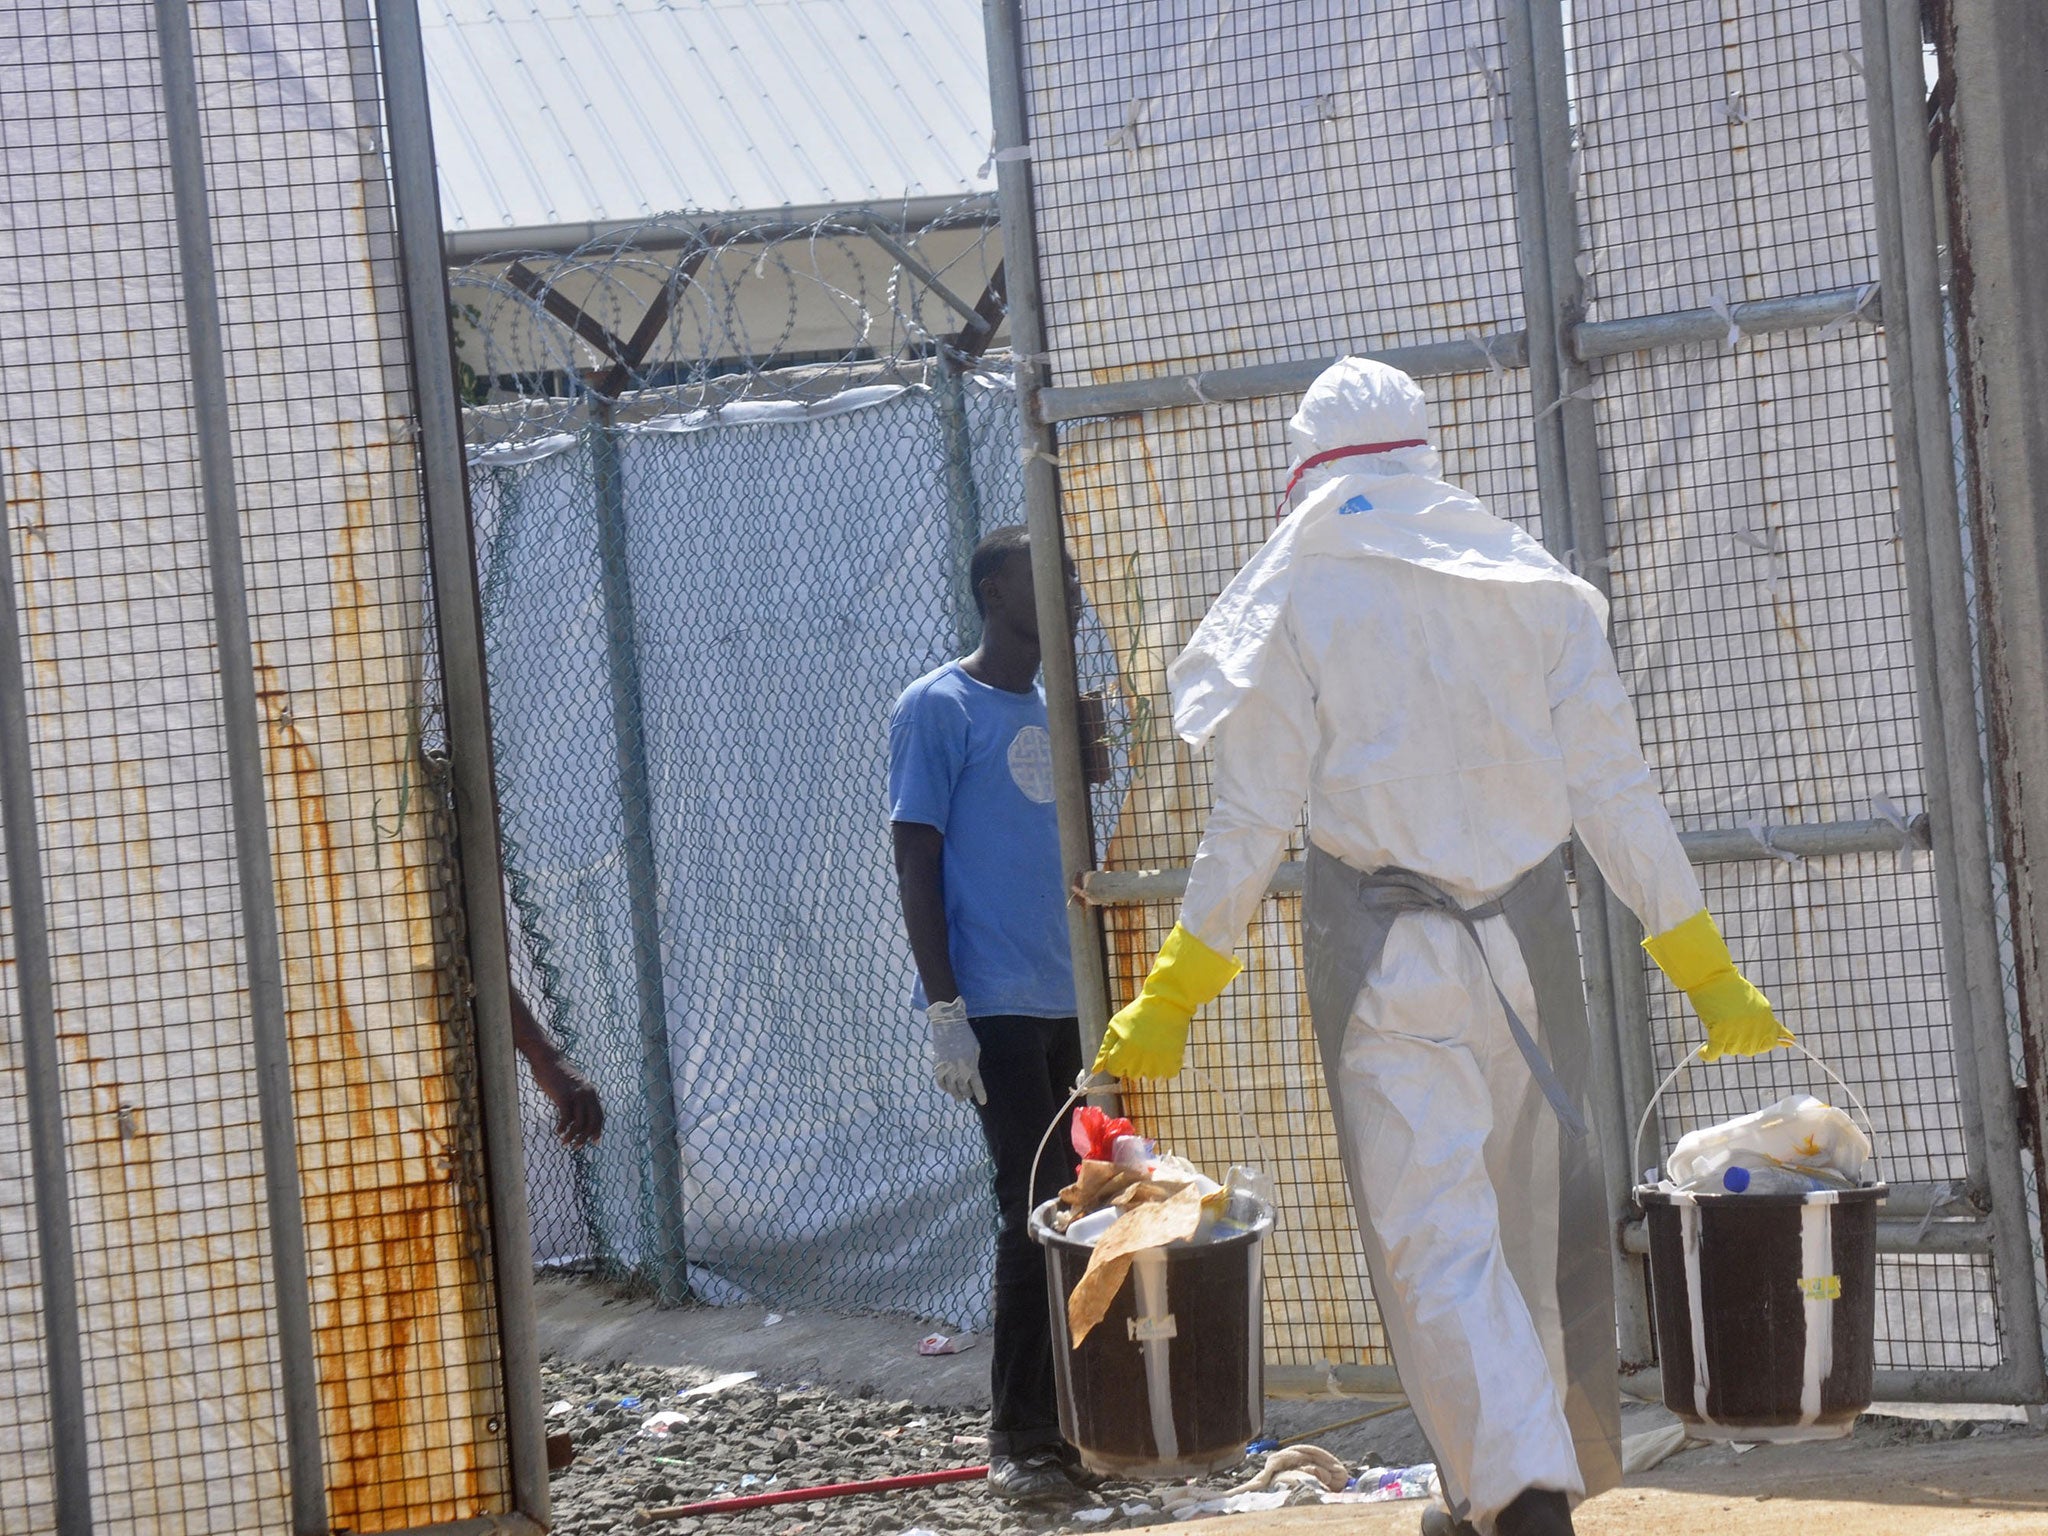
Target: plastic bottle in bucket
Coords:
[[1768, 1178]]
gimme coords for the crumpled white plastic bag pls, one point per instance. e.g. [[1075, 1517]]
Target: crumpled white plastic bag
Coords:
[[1799, 1131]]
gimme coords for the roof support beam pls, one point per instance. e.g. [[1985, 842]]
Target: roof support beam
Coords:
[[681, 230], [565, 309], [973, 339]]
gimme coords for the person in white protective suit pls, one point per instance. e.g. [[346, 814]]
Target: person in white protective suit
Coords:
[[1439, 690]]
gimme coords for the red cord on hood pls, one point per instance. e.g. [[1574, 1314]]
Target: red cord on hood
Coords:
[[1315, 460]]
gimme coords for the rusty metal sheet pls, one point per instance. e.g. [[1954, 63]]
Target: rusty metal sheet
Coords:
[[1153, 549], [164, 1136], [1160, 512]]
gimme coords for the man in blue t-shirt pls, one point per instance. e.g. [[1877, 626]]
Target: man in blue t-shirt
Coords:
[[978, 866]]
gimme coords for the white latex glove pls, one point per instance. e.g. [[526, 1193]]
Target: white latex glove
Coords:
[[956, 1054]]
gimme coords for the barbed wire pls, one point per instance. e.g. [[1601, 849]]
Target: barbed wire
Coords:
[[685, 312]]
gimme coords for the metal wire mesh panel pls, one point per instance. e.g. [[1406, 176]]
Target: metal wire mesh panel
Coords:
[[1761, 609], [1759, 582], [169, 1220], [1936, 1312], [403, 1320], [1240, 182], [1761, 619], [1759, 579], [1723, 152], [1196, 187], [1219, 186], [176, 1303]]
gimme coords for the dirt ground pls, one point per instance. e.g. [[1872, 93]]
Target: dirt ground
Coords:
[[1994, 1485]]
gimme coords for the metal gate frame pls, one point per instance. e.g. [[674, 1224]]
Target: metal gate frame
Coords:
[[1557, 346], [459, 631], [458, 611], [1991, 139]]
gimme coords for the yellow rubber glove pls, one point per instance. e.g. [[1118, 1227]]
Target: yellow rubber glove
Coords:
[[1149, 1036], [1738, 1017]]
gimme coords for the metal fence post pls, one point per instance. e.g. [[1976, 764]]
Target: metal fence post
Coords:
[[242, 736], [1574, 527], [42, 1072], [963, 502], [1995, 139], [1005, 28], [636, 811], [1519, 23], [451, 550], [1930, 520]]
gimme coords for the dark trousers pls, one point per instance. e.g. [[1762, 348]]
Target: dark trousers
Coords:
[[1028, 1067]]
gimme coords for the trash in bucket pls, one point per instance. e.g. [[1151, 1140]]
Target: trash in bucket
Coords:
[[1799, 1138], [1763, 1272], [1153, 1271]]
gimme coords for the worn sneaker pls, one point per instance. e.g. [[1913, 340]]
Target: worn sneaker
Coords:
[[1077, 1473], [1034, 1478]]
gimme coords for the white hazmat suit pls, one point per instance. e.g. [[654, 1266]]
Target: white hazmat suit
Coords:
[[1439, 691]]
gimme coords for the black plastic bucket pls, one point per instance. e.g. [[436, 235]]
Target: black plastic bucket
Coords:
[[1172, 1382], [1766, 1309]]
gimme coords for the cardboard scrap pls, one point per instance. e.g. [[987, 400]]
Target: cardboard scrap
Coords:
[[1151, 1225], [1299, 1466], [1095, 1186], [1147, 1192]]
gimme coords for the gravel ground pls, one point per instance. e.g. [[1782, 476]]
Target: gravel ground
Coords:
[[757, 1438]]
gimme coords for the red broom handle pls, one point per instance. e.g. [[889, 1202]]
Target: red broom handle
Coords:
[[804, 1495]]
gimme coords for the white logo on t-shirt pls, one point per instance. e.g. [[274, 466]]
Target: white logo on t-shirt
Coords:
[[1031, 763]]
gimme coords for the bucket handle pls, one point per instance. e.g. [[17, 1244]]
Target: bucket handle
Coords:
[[1089, 1082], [1690, 1057]]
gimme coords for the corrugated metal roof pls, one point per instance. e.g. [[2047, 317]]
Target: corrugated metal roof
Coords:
[[554, 112]]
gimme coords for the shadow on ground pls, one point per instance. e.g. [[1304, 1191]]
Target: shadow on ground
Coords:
[[1895, 1476]]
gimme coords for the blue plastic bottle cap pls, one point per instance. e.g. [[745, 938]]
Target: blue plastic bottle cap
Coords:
[[1735, 1180]]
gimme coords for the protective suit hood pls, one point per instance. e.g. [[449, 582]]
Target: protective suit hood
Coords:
[[1361, 491], [1356, 400]]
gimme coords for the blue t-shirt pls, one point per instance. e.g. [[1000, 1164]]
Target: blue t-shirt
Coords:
[[976, 762]]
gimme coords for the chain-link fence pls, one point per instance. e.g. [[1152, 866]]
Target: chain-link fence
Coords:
[[706, 578], [786, 579]]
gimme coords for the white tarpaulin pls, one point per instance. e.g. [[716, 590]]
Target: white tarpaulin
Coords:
[[1217, 191], [182, 1387]]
